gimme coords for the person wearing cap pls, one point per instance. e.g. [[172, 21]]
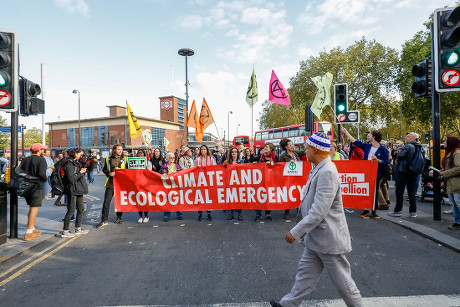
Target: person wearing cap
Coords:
[[186, 160], [323, 228], [405, 177], [34, 165], [373, 151]]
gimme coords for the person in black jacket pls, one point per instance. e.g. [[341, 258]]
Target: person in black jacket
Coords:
[[74, 177], [34, 165]]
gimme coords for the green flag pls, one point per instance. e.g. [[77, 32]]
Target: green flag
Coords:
[[323, 95], [252, 95]]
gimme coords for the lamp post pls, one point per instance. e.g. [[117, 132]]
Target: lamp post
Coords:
[[79, 131], [186, 52], [228, 126]]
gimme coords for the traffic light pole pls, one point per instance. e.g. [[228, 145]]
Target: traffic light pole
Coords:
[[14, 164], [435, 105]]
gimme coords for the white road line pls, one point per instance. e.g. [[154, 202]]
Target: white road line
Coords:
[[392, 301]]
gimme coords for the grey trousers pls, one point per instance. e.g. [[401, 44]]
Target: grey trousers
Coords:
[[311, 265]]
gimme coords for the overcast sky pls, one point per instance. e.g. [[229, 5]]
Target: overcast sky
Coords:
[[113, 50]]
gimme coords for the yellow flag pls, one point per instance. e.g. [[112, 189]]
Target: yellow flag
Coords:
[[252, 94], [134, 128], [206, 118]]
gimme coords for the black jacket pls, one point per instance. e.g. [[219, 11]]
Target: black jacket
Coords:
[[406, 155], [75, 181]]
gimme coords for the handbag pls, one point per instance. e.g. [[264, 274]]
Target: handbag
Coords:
[[22, 183]]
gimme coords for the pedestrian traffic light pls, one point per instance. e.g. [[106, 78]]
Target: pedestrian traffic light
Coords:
[[340, 98], [422, 73], [103, 138], [446, 39], [427, 136], [8, 71], [29, 104]]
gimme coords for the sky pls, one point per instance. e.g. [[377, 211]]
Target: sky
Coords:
[[118, 50]]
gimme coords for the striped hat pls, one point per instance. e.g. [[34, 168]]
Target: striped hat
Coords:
[[319, 140]]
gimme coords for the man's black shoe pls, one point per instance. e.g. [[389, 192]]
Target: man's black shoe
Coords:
[[275, 304]]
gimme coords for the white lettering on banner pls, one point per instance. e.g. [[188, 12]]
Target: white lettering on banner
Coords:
[[192, 197], [354, 184], [234, 178]]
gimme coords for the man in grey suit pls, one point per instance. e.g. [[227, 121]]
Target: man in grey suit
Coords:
[[324, 230]]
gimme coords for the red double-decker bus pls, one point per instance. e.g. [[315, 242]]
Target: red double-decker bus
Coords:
[[296, 134], [242, 140]]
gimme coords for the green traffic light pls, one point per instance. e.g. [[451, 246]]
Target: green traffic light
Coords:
[[451, 58], [341, 108], [4, 80]]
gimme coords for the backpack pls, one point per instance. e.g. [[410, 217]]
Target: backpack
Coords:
[[22, 183], [57, 178], [417, 161]]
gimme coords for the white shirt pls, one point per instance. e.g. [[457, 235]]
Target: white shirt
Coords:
[[372, 152]]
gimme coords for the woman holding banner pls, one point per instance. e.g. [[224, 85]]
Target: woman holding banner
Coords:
[[234, 159], [141, 153], [374, 151], [289, 155], [205, 158], [168, 168], [156, 161], [268, 156]]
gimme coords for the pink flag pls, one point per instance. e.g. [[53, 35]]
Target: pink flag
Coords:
[[277, 92]]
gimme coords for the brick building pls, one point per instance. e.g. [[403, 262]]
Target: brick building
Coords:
[[104, 132]]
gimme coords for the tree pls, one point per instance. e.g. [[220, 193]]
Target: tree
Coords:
[[4, 137], [370, 70], [33, 135]]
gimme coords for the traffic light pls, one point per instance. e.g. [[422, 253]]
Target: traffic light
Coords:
[[422, 73], [446, 39], [427, 136], [8, 71], [340, 98], [29, 104], [103, 138]]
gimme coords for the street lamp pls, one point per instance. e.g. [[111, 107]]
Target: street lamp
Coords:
[[186, 52], [228, 126], [79, 131]]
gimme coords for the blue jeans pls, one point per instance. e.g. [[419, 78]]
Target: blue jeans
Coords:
[[232, 212], [454, 199], [168, 214], [90, 177], [417, 181], [267, 212]]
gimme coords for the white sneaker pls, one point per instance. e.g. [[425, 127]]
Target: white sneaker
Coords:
[[449, 212], [81, 231], [67, 234], [413, 214], [146, 219], [395, 213], [140, 220]]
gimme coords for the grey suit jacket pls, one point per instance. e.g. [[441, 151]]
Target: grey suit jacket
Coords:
[[323, 222]]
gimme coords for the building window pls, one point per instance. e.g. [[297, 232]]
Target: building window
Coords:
[[158, 135], [87, 137], [71, 137]]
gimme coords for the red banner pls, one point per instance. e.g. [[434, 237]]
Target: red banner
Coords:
[[257, 186]]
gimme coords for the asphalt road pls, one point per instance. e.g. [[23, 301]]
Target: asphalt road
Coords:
[[191, 263]]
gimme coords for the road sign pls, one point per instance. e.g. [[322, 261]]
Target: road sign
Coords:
[[8, 129], [5, 98], [451, 77], [351, 117]]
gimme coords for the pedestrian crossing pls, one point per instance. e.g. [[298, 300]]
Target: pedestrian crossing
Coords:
[[391, 301]]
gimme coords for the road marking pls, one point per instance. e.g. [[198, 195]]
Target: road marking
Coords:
[[391, 301], [30, 265]]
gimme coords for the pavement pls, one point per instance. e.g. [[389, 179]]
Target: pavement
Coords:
[[49, 221]]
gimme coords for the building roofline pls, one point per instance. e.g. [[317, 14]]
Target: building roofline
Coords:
[[171, 96], [111, 117]]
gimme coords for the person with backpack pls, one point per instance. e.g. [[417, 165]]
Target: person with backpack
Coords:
[[410, 163], [373, 151], [76, 187], [34, 165], [3, 162], [57, 179]]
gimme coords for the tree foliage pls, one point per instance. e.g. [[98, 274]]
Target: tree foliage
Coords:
[[369, 68], [4, 137], [33, 135]]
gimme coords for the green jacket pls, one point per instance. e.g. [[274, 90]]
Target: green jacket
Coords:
[[452, 174]]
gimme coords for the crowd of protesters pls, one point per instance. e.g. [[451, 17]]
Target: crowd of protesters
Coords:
[[77, 170]]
